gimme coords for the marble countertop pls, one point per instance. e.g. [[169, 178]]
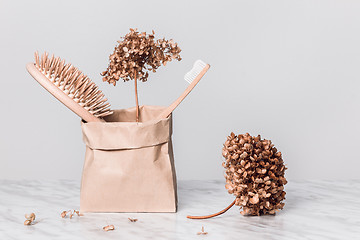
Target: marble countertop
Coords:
[[313, 210]]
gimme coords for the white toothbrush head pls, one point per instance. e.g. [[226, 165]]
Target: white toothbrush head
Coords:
[[193, 77], [195, 71]]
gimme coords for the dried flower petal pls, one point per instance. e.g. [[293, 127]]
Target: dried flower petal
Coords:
[[254, 199], [109, 228], [27, 222], [30, 216], [132, 219], [70, 212], [63, 214], [202, 231]]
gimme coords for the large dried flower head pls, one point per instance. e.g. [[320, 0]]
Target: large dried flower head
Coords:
[[137, 54], [254, 174]]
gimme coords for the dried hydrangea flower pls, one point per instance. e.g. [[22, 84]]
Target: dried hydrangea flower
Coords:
[[254, 173], [136, 55]]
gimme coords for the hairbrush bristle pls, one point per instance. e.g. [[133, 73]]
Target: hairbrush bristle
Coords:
[[74, 83]]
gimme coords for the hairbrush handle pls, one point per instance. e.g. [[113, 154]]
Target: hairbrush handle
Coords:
[[60, 95], [176, 103]]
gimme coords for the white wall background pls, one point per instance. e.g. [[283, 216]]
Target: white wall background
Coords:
[[288, 70]]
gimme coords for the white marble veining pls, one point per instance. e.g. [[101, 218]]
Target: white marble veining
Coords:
[[313, 210]]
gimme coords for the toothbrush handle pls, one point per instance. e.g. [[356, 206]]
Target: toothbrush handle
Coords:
[[172, 107]]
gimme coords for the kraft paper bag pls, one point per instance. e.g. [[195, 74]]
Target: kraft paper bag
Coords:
[[129, 166]]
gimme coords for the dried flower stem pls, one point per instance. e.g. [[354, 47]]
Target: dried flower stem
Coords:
[[213, 215], [136, 99]]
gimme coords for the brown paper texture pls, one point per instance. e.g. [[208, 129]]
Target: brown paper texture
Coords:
[[129, 166]]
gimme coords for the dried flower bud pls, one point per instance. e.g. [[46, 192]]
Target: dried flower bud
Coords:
[[109, 228]]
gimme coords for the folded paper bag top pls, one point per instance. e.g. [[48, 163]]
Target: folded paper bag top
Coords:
[[129, 166], [121, 132]]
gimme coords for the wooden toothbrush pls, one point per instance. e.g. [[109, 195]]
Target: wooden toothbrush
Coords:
[[70, 86], [193, 77]]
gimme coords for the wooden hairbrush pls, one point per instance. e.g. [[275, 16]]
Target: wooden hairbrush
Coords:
[[70, 86]]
